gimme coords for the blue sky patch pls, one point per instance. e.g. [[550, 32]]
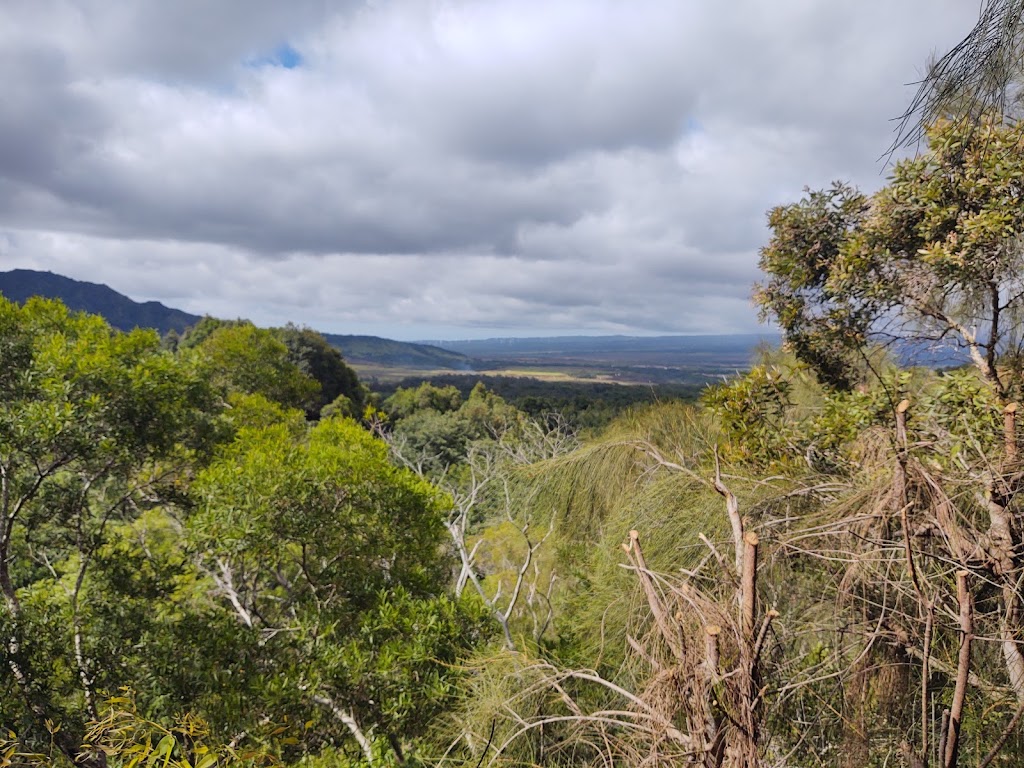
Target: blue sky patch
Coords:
[[283, 56]]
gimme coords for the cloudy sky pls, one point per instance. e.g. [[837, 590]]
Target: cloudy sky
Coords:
[[441, 168]]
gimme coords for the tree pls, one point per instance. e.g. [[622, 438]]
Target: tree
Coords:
[[822, 322], [195, 335], [406, 400], [976, 77], [935, 256], [436, 429], [332, 557], [289, 575], [94, 425], [263, 369], [316, 358], [245, 359]]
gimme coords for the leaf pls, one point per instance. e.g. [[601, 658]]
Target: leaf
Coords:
[[163, 749]]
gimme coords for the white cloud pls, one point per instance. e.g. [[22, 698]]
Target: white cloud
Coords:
[[450, 167]]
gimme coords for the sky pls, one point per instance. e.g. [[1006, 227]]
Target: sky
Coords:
[[430, 169]]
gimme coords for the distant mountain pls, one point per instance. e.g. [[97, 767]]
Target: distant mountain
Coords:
[[560, 346], [118, 310], [373, 350], [125, 314], [706, 354]]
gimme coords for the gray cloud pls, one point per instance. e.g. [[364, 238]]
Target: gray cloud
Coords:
[[451, 167]]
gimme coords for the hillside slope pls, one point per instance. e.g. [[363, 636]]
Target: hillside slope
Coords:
[[118, 310], [124, 313], [400, 354]]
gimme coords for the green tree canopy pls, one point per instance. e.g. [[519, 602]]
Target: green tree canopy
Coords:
[[334, 557], [272, 569], [933, 256], [94, 426], [437, 427], [264, 370], [408, 400], [316, 358], [245, 359]]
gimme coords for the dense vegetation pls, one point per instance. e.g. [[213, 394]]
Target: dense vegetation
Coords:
[[171, 523], [584, 406], [126, 314], [118, 310], [220, 549]]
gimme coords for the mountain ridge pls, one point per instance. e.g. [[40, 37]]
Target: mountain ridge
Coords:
[[117, 309], [125, 313]]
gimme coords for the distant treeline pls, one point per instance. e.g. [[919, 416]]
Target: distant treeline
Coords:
[[584, 405]]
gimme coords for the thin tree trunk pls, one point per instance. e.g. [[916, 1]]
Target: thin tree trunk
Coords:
[[711, 673], [956, 709], [668, 629], [349, 721], [748, 586], [1012, 656], [80, 661], [1010, 433], [1003, 537]]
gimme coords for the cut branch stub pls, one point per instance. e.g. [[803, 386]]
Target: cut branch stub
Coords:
[[668, 630], [732, 509], [711, 652]]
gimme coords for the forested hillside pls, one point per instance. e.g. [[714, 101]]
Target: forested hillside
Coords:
[[401, 354], [222, 550], [118, 310], [125, 314]]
